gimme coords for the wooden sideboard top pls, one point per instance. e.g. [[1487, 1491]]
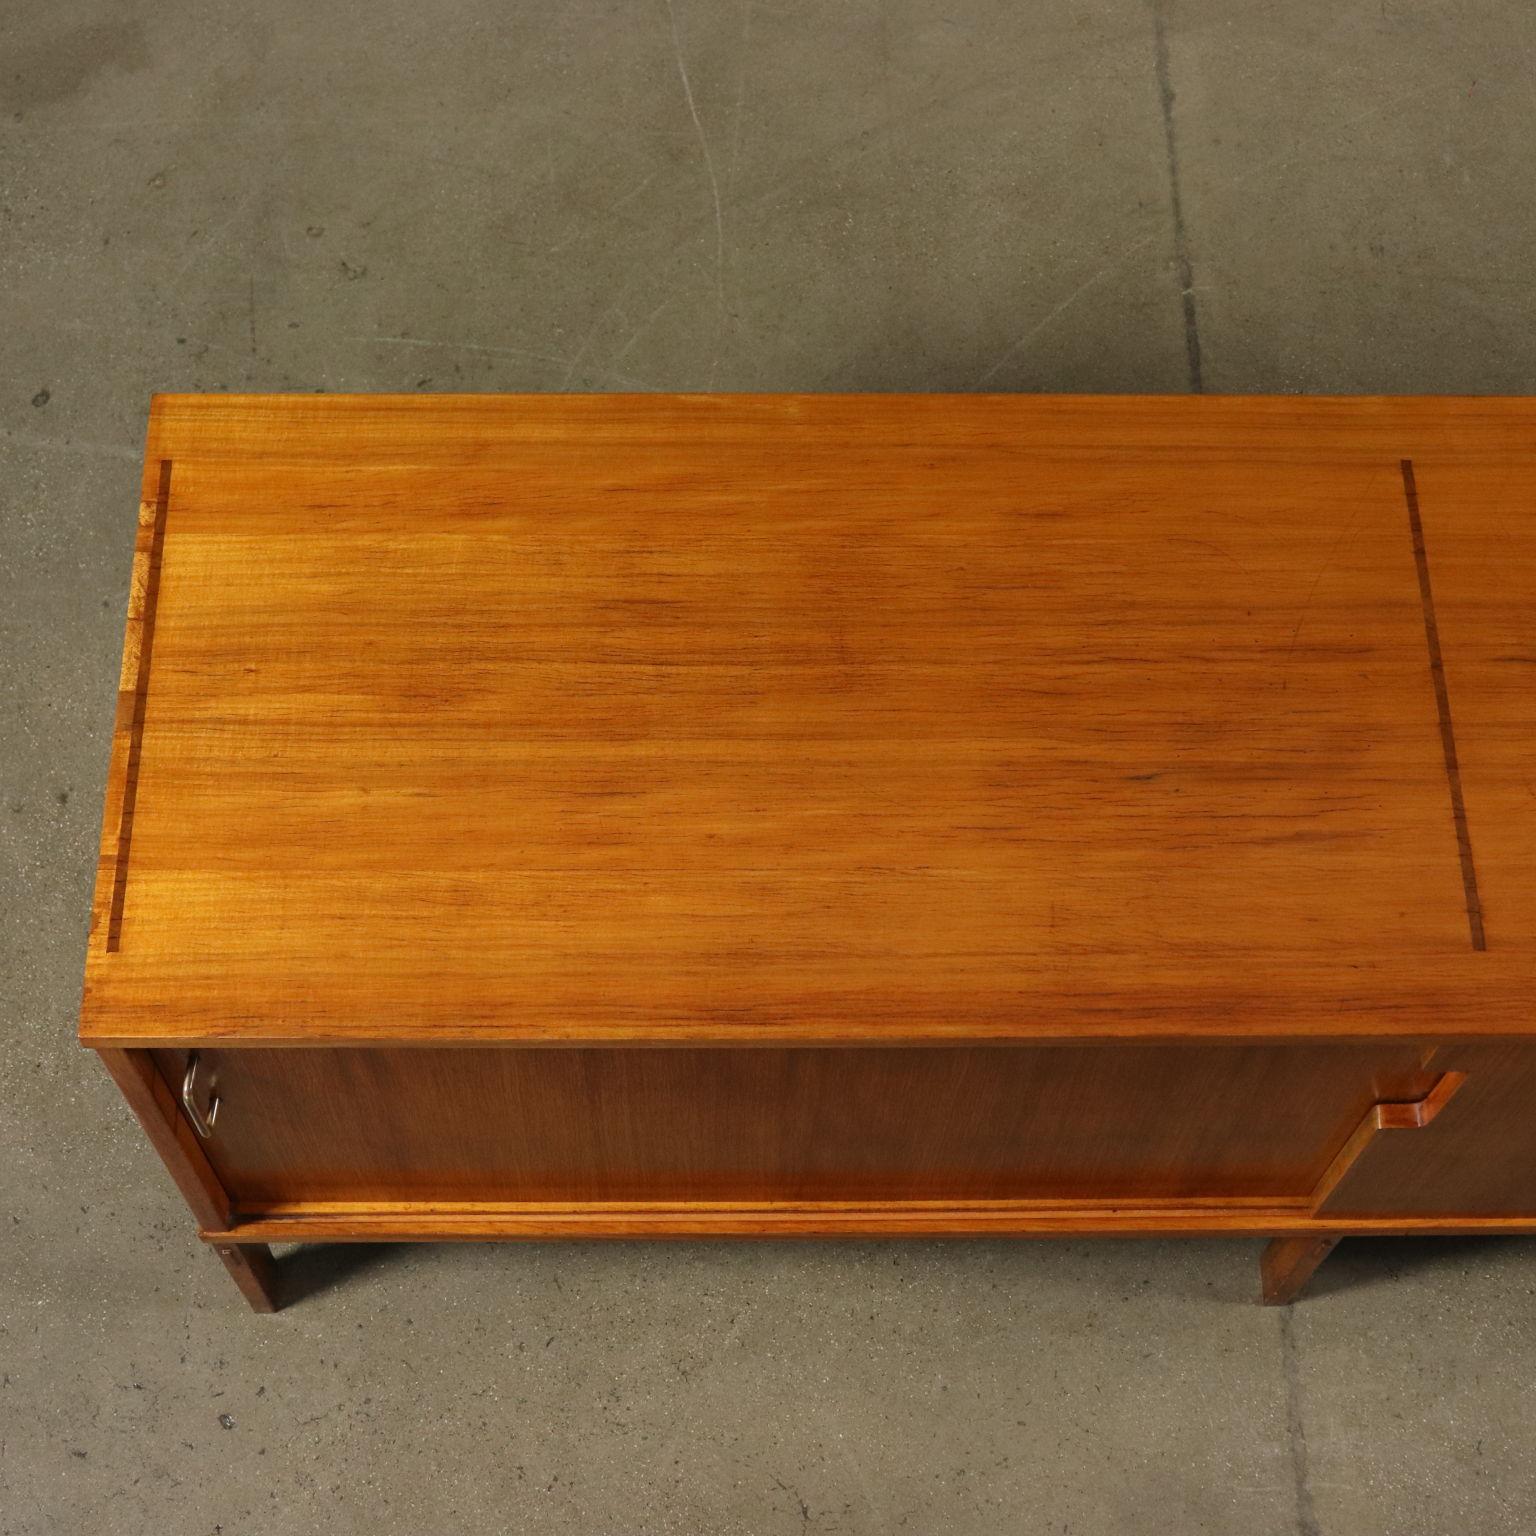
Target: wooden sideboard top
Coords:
[[863, 718]]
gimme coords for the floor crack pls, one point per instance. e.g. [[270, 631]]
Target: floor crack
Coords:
[[1295, 1430], [1176, 202]]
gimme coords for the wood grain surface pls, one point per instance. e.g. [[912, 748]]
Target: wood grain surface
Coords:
[[1288, 1263], [865, 1123], [823, 719], [418, 1221]]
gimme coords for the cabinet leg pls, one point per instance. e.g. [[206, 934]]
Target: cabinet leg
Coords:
[[252, 1267], [1288, 1263]]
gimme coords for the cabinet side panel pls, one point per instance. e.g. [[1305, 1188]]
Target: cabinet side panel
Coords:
[[149, 1096]]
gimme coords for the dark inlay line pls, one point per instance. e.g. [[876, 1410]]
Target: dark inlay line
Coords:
[[136, 721], [1443, 705]]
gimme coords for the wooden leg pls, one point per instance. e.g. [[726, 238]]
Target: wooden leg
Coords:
[[254, 1270], [1288, 1263]]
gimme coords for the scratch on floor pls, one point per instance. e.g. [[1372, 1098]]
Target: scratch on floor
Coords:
[[464, 346], [741, 92], [1107, 270], [794, 1493], [709, 163], [633, 192], [220, 234], [554, 359], [583, 227], [640, 330]]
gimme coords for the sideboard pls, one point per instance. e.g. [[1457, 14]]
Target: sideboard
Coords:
[[644, 816]]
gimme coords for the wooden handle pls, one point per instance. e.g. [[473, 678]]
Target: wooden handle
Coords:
[[1385, 1117], [1410, 1116]]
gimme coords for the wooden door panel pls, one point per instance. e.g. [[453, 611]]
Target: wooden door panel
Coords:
[[1478, 1158], [969, 1122]]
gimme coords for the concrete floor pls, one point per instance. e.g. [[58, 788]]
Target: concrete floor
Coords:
[[1326, 195]]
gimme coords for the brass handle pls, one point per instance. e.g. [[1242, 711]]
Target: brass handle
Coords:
[[201, 1123]]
